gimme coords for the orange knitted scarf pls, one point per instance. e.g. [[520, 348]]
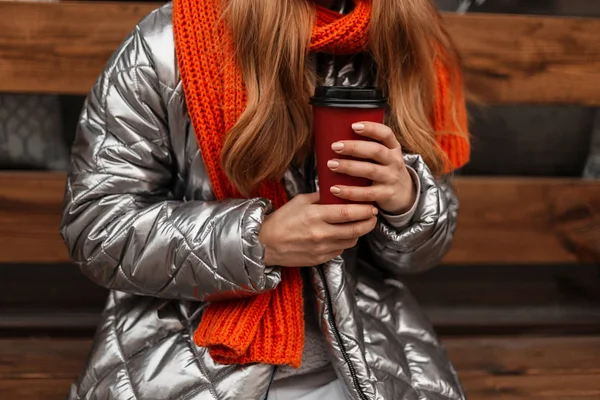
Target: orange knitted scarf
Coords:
[[267, 328]]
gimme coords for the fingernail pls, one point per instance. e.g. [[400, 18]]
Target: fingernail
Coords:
[[333, 164], [335, 190], [375, 211], [337, 146], [358, 127]]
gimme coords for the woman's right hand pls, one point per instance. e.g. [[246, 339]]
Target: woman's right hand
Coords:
[[303, 233]]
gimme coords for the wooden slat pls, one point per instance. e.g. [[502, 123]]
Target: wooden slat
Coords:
[[524, 220], [30, 214], [571, 387], [42, 358], [516, 368], [524, 356], [577, 387], [510, 368], [501, 220], [62, 47], [527, 59], [494, 356], [34, 389]]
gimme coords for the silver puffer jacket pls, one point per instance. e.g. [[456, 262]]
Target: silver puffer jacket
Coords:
[[140, 219]]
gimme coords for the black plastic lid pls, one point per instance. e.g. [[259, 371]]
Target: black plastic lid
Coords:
[[343, 96]]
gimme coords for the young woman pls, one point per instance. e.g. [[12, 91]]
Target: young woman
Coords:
[[191, 197]]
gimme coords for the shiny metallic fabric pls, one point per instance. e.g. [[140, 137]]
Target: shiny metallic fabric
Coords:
[[140, 219]]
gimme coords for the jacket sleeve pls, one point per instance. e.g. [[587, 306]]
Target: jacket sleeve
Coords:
[[122, 223], [419, 243]]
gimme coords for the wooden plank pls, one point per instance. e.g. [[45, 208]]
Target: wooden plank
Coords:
[[30, 214], [62, 47], [526, 220], [516, 356], [501, 368], [572, 387], [569, 387], [60, 358], [472, 356], [34, 389], [527, 59], [501, 220]]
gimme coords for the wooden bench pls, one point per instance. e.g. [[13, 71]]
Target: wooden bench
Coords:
[[495, 368], [502, 220], [508, 226]]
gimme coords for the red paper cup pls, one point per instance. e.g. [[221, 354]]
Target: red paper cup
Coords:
[[335, 109]]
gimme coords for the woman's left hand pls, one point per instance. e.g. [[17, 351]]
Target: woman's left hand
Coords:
[[392, 189]]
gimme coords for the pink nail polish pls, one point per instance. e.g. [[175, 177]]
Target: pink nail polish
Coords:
[[337, 146], [335, 190]]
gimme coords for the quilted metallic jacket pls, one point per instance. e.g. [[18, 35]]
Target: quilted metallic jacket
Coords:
[[140, 219]]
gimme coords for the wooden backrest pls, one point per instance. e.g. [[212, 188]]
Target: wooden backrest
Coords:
[[62, 47]]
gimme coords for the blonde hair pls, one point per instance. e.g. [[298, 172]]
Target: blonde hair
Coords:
[[271, 37]]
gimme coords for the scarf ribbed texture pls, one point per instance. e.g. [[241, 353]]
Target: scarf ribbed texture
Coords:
[[266, 328]]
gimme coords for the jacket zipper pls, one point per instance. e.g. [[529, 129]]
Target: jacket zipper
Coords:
[[338, 337], [271, 382]]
